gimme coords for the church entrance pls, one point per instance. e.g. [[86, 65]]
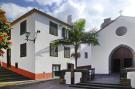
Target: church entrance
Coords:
[[121, 57]]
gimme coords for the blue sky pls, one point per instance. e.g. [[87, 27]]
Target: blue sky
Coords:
[[94, 11]]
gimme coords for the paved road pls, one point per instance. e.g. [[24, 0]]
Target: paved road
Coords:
[[52, 84]]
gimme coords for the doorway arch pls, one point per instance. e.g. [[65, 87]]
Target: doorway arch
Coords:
[[121, 57]]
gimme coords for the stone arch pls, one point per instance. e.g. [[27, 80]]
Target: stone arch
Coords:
[[116, 49]]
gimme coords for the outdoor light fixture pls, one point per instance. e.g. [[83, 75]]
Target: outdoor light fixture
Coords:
[[27, 34]]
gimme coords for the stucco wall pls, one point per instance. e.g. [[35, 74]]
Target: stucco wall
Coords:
[[109, 40], [42, 47], [82, 61], [27, 63], [131, 76]]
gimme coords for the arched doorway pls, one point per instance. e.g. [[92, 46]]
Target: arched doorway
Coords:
[[121, 57]]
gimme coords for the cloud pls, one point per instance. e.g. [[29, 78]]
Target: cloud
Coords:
[[94, 11], [14, 11], [82, 9], [46, 2], [129, 9]]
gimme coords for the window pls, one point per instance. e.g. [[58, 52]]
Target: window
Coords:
[[64, 33], [23, 27], [120, 31], [86, 55], [66, 52], [53, 51], [53, 29], [70, 66], [23, 50]]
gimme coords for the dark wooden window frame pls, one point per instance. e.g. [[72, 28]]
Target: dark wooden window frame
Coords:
[[56, 50], [23, 50], [86, 55], [64, 33], [53, 28], [65, 52], [23, 27]]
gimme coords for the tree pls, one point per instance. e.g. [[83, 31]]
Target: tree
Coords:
[[4, 33], [77, 36]]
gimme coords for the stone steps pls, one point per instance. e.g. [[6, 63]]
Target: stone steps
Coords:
[[100, 86], [7, 75]]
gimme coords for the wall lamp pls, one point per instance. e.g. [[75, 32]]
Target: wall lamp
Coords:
[[27, 34]]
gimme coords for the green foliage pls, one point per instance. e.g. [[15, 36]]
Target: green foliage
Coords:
[[77, 36], [4, 36]]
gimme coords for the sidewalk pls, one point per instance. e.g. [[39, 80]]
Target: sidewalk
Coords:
[[2, 84]]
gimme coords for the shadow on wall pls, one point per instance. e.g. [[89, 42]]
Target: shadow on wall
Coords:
[[47, 50], [42, 51]]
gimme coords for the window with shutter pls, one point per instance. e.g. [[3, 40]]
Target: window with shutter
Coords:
[[64, 33], [66, 52], [53, 29], [86, 55], [23, 50], [23, 27], [53, 51]]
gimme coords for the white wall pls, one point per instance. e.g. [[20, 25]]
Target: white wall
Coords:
[[82, 61], [131, 76], [109, 40], [38, 58], [28, 62], [43, 59]]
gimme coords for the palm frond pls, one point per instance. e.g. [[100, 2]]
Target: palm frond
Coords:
[[89, 38], [61, 42], [79, 25]]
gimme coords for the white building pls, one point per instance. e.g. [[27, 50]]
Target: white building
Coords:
[[39, 60], [117, 46], [35, 57]]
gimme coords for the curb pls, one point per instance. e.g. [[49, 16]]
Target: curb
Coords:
[[16, 83]]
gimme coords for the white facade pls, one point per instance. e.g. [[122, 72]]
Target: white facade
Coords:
[[28, 62], [38, 63], [108, 41], [43, 60], [82, 60]]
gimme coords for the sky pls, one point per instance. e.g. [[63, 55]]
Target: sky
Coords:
[[93, 11]]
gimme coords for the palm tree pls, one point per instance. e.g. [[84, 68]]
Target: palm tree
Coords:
[[77, 36]]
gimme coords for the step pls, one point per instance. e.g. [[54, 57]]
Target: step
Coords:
[[90, 87], [104, 85], [5, 70], [13, 79], [12, 75], [7, 75], [101, 83]]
